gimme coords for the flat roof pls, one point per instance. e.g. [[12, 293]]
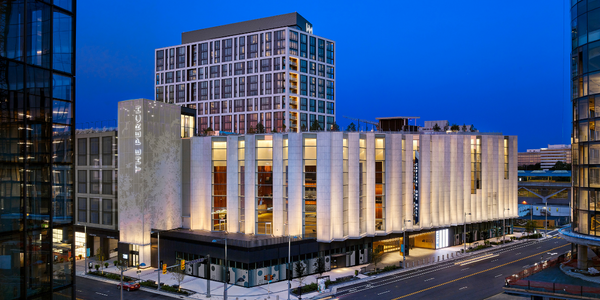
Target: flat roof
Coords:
[[285, 20], [388, 118]]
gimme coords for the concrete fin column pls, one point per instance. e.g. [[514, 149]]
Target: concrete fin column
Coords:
[[295, 183], [393, 183], [582, 257], [370, 211], [448, 188], [425, 182], [197, 180], [250, 184], [232, 185], [337, 185], [436, 181], [353, 186], [324, 196], [469, 208], [278, 202], [513, 176], [454, 177], [408, 179]]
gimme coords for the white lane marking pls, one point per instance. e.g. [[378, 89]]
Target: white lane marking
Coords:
[[105, 295], [494, 260], [518, 253], [462, 288], [464, 269], [383, 292], [429, 279], [497, 275]]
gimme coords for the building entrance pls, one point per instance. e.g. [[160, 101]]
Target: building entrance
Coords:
[[388, 245]]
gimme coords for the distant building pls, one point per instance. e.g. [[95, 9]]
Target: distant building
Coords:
[[547, 157], [531, 157], [272, 71], [540, 188]]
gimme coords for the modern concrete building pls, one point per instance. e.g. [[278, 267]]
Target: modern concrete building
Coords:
[[96, 217], [585, 61], [338, 194], [547, 157], [272, 71], [37, 116]]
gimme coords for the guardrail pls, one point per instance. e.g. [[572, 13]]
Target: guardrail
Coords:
[[518, 281]]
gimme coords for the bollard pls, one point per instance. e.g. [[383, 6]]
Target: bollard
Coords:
[[447, 255], [413, 263], [438, 258], [452, 255], [277, 297]]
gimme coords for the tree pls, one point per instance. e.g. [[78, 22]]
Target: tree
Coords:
[[207, 130], [301, 271], [335, 127], [455, 128], [561, 165], [314, 126], [303, 128], [100, 256], [447, 126], [251, 130], [351, 127], [283, 127], [178, 275], [464, 128], [473, 129], [260, 128], [436, 128], [320, 264], [537, 166], [376, 256], [530, 226]]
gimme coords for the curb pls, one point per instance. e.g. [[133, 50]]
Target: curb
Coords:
[[145, 289]]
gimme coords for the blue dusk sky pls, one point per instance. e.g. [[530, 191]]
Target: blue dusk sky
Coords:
[[500, 65]]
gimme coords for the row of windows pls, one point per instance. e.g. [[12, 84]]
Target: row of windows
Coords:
[[96, 184], [586, 27], [91, 153], [255, 85], [243, 68], [244, 47], [95, 210], [271, 122], [262, 104]]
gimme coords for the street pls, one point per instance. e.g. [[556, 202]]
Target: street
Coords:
[[477, 280], [88, 289]]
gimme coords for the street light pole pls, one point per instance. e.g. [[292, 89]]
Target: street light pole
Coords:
[[504, 225], [85, 248], [226, 268], [546, 222], [158, 260], [404, 242], [289, 265], [465, 233]]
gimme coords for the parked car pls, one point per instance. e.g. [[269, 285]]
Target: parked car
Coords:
[[129, 286]]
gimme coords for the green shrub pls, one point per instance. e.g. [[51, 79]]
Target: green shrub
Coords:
[[97, 267]]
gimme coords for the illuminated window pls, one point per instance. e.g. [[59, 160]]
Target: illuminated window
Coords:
[[242, 183], [264, 184], [309, 219], [219, 184], [362, 183], [380, 183]]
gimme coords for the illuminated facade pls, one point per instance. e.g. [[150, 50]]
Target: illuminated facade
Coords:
[[338, 194], [585, 76], [37, 116], [273, 71], [334, 186]]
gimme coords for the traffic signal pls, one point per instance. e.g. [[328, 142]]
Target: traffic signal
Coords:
[[183, 264], [268, 277], [164, 268]]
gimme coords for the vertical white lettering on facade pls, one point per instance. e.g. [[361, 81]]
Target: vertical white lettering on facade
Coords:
[[309, 28], [138, 138]]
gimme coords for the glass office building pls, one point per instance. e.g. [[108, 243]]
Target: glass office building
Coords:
[[585, 75], [37, 78]]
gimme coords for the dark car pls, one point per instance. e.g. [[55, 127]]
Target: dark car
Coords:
[[129, 286]]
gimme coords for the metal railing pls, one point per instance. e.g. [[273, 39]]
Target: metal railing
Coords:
[[518, 281]]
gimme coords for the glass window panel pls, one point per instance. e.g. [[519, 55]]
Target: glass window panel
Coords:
[[61, 112], [61, 87], [62, 44]]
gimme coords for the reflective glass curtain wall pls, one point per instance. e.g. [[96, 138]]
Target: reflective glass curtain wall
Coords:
[[585, 76], [36, 148]]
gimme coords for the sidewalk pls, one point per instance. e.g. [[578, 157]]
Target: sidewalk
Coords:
[[199, 285]]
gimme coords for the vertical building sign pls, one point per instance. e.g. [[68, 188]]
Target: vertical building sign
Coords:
[[138, 138], [416, 188]]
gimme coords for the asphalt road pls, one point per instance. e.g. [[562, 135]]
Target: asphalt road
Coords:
[[477, 280], [88, 289]]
